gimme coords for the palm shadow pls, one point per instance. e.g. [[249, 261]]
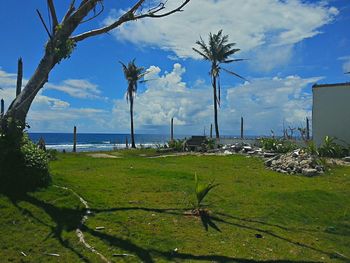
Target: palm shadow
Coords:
[[65, 219], [213, 221]]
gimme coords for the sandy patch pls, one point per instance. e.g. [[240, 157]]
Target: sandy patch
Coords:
[[103, 155]]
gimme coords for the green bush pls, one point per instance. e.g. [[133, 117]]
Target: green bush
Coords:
[[311, 148], [52, 154], [330, 148], [176, 145], [23, 166], [202, 191], [277, 145], [208, 144]]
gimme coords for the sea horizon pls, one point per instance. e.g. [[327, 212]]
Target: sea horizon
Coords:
[[105, 141]]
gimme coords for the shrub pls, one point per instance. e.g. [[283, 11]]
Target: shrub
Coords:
[[176, 145], [23, 167], [311, 148], [277, 145], [208, 144], [52, 154], [330, 148], [202, 191]]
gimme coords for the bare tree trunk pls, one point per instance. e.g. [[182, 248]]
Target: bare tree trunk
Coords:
[[61, 42], [19, 76], [132, 122], [217, 135], [20, 106]]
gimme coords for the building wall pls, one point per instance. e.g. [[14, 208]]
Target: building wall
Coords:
[[331, 112]]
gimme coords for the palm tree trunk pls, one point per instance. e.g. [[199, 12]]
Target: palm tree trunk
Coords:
[[215, 109], [132, 122]]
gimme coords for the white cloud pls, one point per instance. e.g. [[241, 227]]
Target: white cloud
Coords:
[[346, 63], [78, 88], [251, 24], [56, 115], [166, 96], [264, 102]]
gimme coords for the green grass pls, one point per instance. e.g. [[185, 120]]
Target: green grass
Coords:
[[142, 201]]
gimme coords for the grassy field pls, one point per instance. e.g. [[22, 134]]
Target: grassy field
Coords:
[[257, 215]]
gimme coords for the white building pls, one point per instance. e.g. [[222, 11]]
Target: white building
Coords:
[[331, 112]]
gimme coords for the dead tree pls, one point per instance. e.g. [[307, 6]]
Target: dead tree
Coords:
[[62, 41]]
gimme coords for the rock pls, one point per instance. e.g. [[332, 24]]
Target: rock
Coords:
[[226, 152], [269, 155], [251, 152], [309, 172], [295, 154], [247, 148], [319, 168], [346, 159]]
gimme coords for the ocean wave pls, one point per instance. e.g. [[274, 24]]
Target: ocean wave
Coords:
[[81, 147]]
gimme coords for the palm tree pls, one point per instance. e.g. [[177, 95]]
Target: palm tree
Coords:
[[217, 51], [132, 75]]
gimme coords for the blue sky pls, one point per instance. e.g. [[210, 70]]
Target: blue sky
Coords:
[[290, 45]]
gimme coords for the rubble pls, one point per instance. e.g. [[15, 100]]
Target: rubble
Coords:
[[295, 162]]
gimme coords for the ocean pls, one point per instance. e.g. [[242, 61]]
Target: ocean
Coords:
[[87, 142], [92, 142]]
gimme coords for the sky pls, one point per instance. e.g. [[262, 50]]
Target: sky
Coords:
[[289, 45]]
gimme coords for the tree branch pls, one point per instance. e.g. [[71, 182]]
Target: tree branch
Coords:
[[53, 14], [70, 10], [43, 22], [95, 14], [128, 16], [155, 15]]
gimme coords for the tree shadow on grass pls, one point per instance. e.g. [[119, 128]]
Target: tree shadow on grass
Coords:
[[68, 219], [146, 255], [213, 222], [65, 219]]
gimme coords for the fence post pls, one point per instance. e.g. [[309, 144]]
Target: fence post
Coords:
[[172, 130], [75, 139]]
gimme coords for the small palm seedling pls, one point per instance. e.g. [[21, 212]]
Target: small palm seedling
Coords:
[[201, 191]]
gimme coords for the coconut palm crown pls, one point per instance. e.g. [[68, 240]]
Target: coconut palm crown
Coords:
[[217, 51], [132, 74]]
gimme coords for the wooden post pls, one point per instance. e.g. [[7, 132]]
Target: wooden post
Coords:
[[2, 108], [242, 134], [19, 76], [211, 130], [75, 139], [307, 129], [172, 130]]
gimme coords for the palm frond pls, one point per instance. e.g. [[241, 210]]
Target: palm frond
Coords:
[[132, 74], [202, 189], [233, 60], [201, 53], [235, 74]]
